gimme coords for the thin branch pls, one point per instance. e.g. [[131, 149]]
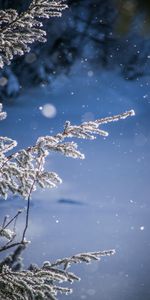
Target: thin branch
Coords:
[[28, 202], [82, 257], [65, 134], [4, 226], [13, 219], [12, 245]]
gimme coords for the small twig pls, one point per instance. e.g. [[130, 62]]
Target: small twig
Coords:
[[10, 241], [13, 245], [4, 221], [28, 202], [4, 226], [116, 117], [27, 212], [13, 219]]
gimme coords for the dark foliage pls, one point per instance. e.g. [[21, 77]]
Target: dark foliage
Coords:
[[104, 32]]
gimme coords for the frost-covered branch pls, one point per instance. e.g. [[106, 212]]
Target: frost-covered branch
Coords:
[[20, 173], [17, 31], [8, 232], [41, 282], [20, 170], [82, 257], [23, 171]]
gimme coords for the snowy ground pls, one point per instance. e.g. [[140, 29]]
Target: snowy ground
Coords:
[[103, 202]]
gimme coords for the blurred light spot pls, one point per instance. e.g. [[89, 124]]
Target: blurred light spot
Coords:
[[140, 140], [90, 73], [30, 58], [48, 110], [88, 116], [3, 81], [145, 96], [91, 292], [142, 228]]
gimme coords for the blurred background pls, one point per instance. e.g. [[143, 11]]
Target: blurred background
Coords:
[[111, 34], [95, 63]]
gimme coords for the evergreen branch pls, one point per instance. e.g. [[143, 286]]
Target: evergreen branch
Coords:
[[18, 171], [17, 31], [82, 257], [39, 282], [14, 260]]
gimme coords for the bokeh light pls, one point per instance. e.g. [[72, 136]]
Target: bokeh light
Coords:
[[48, 110]]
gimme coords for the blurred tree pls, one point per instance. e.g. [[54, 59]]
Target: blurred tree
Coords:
[[107, 33]]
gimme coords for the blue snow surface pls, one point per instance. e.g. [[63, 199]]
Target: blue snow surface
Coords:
[[103, 202]]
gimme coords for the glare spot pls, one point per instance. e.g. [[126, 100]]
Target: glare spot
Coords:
[[142, 228], [90, 73], [145, 96], [3, 81], [48, 110], [131, 201]]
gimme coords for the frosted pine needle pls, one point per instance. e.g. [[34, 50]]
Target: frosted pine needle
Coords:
[[43, 282], [23, 171], [17, 31]]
